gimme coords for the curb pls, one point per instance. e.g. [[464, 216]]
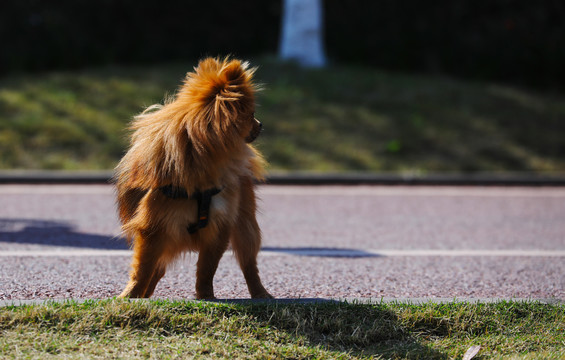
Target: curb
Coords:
[[300, 178], [308, 301], [475, 179]]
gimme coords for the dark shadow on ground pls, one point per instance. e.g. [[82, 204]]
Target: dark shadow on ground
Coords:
[[53, 233], [368, 330], [321, 252], [285, 301]]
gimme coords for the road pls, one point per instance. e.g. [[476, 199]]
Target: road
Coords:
[[62, 241]]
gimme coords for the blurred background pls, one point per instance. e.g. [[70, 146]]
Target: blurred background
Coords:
[[405, 86]]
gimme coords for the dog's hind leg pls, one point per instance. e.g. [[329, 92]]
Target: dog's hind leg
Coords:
[[246, 241], [146, 269]]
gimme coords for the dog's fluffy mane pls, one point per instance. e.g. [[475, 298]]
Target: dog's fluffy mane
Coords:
[[194, 136]]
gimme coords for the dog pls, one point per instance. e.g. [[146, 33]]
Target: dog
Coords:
[[186, 183]]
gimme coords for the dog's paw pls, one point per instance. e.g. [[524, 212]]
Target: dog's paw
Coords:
[[205, 297], [128, 295], [131, 293], [264, 295]]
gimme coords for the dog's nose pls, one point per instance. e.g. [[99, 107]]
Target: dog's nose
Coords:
[[255, 131]]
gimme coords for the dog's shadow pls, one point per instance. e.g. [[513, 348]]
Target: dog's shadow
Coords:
[[53, 233], [320, 252], [370, 330]]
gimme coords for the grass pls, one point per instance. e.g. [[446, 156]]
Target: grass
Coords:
[[185, 329], [331, 120]]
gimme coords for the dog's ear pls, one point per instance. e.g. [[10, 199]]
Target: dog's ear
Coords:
[[225, 86], [233, 94], [221, 93]]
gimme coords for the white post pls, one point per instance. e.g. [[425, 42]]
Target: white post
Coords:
[[302, 33]]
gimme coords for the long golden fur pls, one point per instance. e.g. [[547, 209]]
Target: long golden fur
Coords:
[[196, 141]]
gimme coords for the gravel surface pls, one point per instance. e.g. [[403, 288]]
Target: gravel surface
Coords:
[[296, 277], [66, 218]]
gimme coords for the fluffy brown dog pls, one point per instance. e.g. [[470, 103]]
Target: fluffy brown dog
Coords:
[[186, 183]]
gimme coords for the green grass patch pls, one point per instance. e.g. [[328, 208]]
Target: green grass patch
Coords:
[[336, 119], [186, 329]]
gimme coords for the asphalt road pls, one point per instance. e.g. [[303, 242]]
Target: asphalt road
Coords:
[[62, 241]]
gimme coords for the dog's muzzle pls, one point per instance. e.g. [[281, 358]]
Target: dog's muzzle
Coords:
[[255, 131]]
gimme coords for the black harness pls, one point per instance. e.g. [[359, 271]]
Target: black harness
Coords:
[[203, 198]]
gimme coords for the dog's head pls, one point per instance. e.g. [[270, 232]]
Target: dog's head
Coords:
[[221, 95]]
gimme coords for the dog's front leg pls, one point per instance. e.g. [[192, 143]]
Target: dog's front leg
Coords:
[[246, 241], [209, 256], [146, 268], [157, 275]]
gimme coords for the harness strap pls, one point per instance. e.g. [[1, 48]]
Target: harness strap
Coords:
[[174, 192], [203, 199]]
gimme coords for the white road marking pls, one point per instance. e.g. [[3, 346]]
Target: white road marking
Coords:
[[57, 190], [412, 191], [65, 253], [346, 253], [411, 253], [472, 253]]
